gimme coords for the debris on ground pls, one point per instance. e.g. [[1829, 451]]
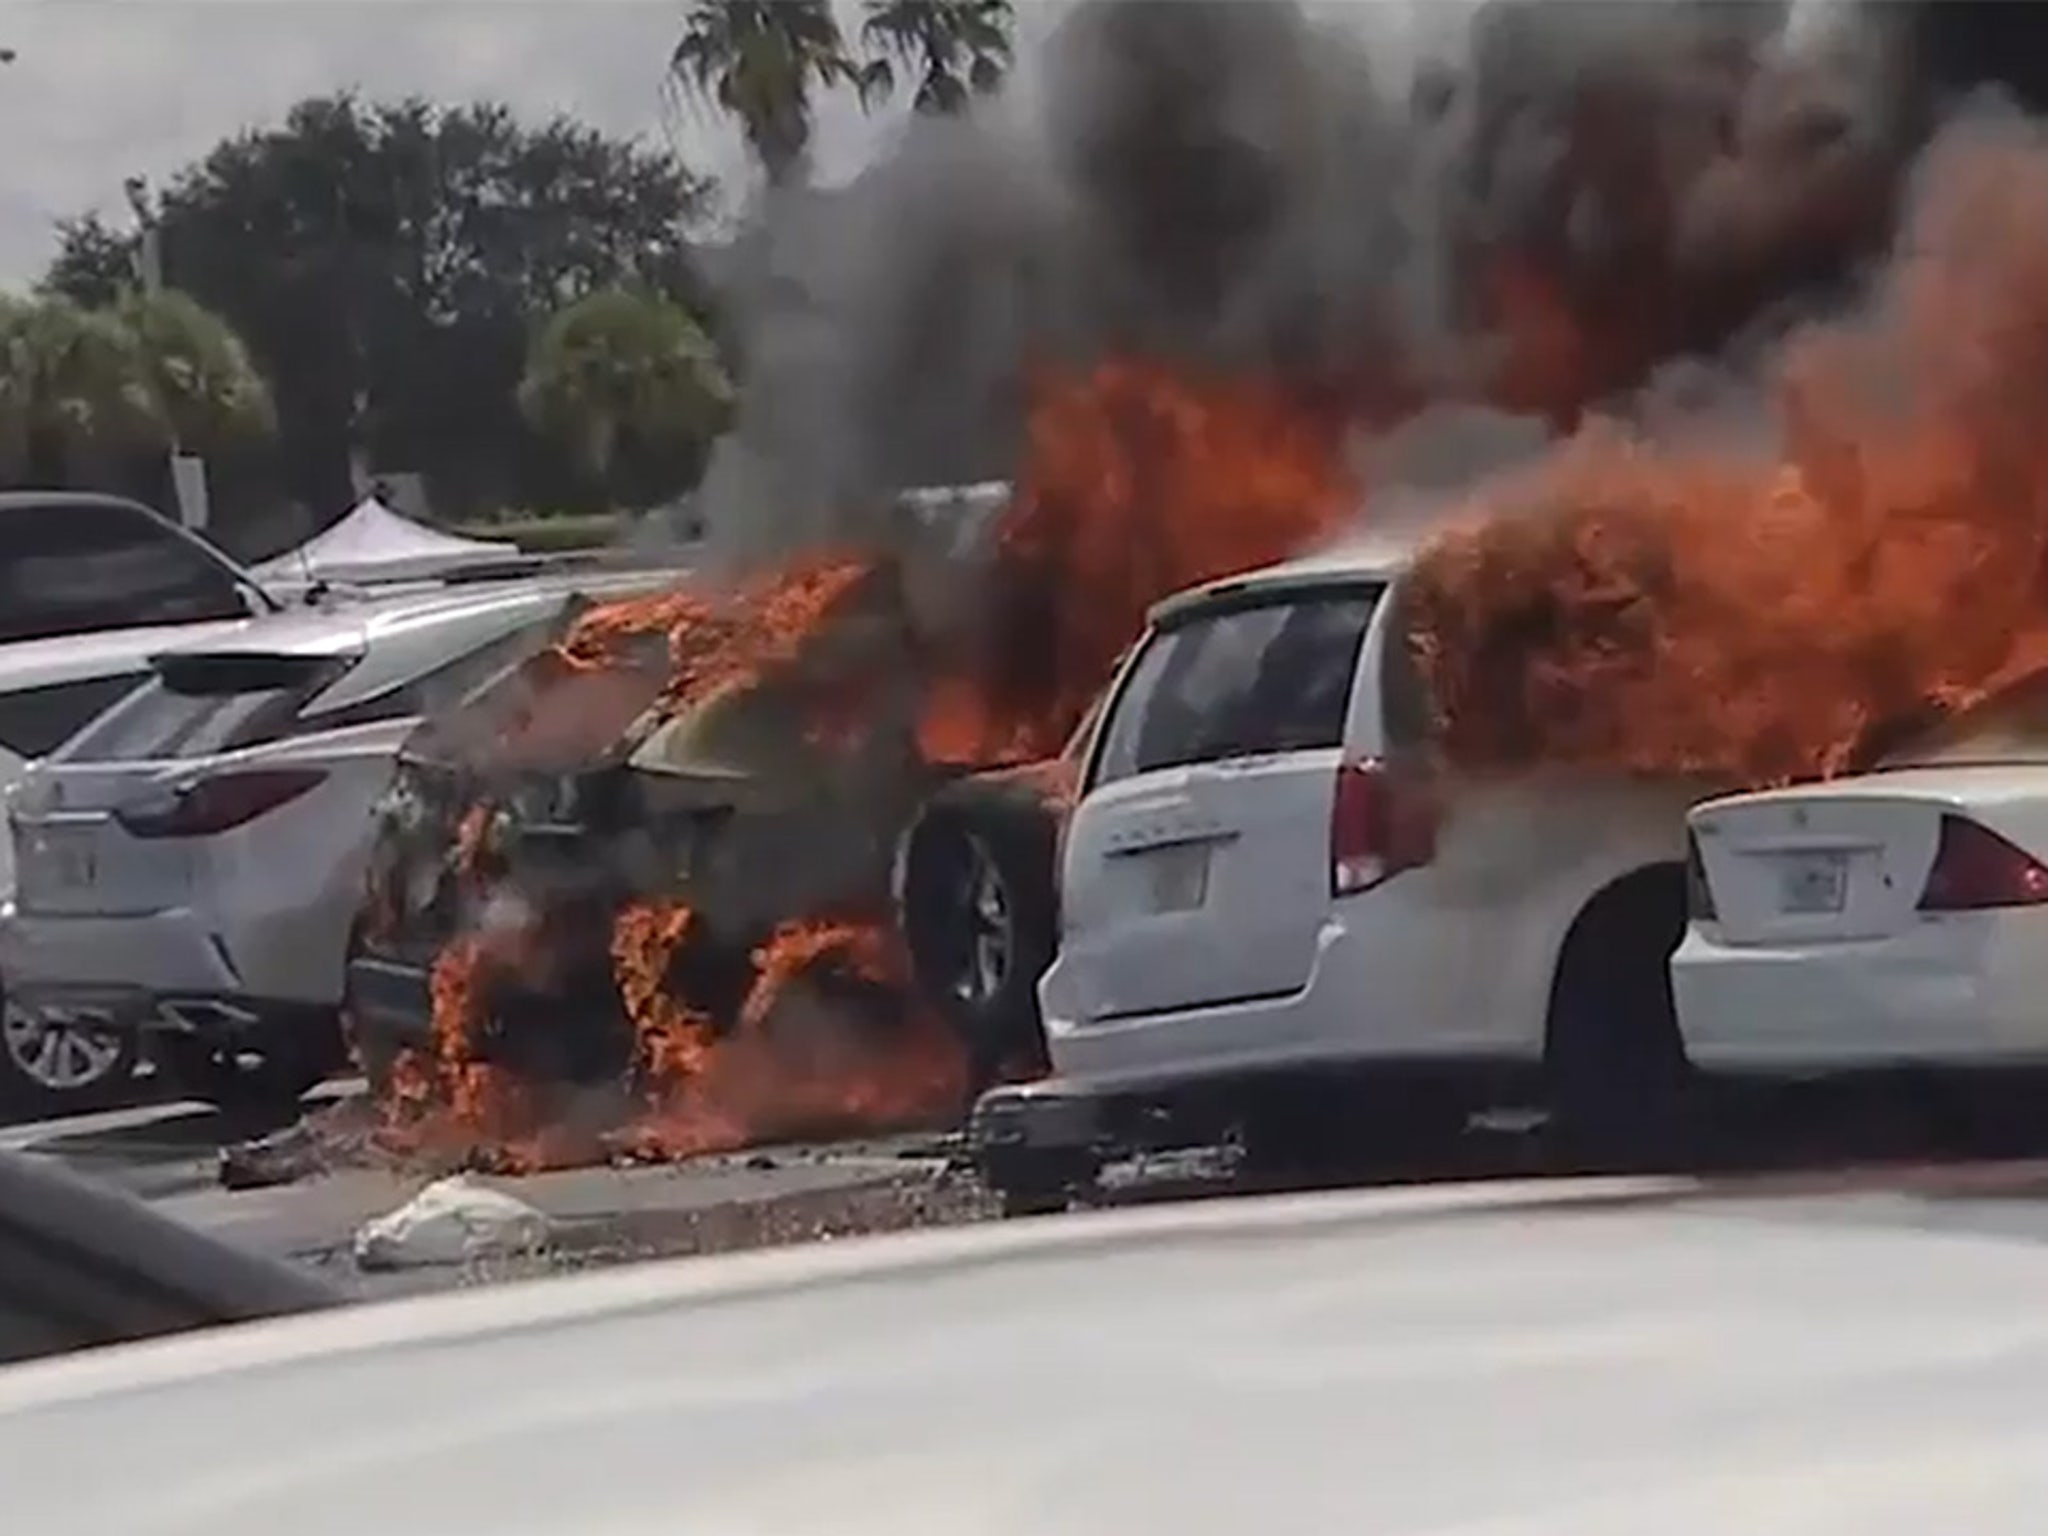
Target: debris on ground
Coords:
[[455, 1220], [281, 1157]]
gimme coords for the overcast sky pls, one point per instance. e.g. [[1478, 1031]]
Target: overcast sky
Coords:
[[106, 89]]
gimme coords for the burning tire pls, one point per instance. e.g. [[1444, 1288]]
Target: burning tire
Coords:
[[980, 919], [1613, 1056]]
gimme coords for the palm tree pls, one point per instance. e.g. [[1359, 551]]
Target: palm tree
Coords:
[[625, 374], [959, 48], [198, 371], [72, 384], [79, 384], [761, 61]]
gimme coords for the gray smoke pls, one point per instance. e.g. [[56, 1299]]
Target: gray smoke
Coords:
[[1249, 184]]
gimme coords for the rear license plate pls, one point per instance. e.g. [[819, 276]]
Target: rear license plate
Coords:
[[1810, 884], [1176, 879]]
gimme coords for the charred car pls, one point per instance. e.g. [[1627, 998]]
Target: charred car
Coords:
[[729, 764]]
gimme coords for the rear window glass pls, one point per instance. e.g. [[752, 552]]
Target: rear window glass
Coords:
[[36, 721], [158, 725], [1246, 680]]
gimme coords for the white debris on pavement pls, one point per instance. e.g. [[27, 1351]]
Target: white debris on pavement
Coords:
[[452, 1221]]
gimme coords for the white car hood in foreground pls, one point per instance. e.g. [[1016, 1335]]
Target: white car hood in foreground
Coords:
[[1351, 1366]]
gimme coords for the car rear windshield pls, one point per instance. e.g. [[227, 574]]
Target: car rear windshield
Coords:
[[1247, 678], [158, 725], [211, 705]]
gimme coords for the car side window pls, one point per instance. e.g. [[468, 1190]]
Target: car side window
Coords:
[[34, 722], [74, 569]]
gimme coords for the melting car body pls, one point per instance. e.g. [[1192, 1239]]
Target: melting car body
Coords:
[[750, 758]]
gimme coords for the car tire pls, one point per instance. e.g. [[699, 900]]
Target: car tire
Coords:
[[981, 923], [1618, 1082], [45, 1074]]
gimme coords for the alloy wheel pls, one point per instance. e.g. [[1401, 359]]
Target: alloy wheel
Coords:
[[991, 930], [57, 1054]]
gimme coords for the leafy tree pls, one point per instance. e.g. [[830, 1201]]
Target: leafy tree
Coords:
[[956, 48], [761, 61], [205, 389], [383, 263], [95, 264], [85, 388], [626, 375]]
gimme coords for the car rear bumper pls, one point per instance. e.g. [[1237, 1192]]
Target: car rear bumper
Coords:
[[1964, 990], [290, 954], [1374, 993], [155, 974], [170, 951]]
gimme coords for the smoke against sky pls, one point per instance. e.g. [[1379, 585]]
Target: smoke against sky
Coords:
[[1347, 196]]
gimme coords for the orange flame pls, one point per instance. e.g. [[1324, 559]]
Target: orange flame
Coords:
[[1780, 611], [674, 1038], [1140, 479]]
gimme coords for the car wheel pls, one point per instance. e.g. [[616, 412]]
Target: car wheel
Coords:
[[53, 1067], [1615, 1064], [981, 926]]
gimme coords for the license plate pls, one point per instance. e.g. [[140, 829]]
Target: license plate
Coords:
[[1813, 883], [1177, 878]]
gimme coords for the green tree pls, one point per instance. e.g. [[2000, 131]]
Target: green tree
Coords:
[[956, 49], [629, 382], [206, 390], [85, 388], [383, 263], [762, 61]]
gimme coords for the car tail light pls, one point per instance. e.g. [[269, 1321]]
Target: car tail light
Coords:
[[1699, 896], [1378, 827], [1975, 868], [220, 803]]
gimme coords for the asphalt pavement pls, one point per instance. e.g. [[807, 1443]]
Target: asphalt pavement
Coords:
[[168, 1154]]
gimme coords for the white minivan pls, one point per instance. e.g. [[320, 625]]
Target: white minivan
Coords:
[[1265, 884]]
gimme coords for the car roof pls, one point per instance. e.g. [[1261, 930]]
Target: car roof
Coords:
[[1364, 557], [1101, 1372], [357, 621], [30, 501], [398, 635]]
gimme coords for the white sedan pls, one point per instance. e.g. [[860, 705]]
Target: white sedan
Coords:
[[189, 866], [1898, 918]]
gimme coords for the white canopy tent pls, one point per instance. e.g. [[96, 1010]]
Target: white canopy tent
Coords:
[[375, 544]]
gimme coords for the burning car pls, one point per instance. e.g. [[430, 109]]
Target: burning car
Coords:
[[675, 826]]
